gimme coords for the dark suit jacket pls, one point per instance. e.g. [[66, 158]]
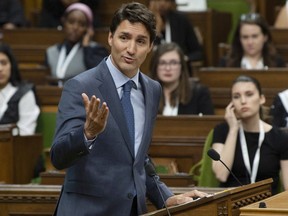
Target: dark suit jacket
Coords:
[[200, 102], [182, 33], [107, 175]]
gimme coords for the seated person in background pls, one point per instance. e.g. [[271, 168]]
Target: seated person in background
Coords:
[[172, 26], [279, 109], [11, 14], [180, 94], [251, 148], [53, 10], [281, 20], [77, 52], [252, 46], [17, 99]]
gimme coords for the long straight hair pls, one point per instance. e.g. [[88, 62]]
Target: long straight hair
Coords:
[[183, 92], [15, 77]]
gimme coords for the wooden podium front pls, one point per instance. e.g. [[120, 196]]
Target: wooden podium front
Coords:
[[275, 206], [40, 200], [19, 155], [227, 202]]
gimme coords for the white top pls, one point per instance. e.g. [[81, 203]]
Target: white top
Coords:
[[246, 64], [28, 109], [168, 110]]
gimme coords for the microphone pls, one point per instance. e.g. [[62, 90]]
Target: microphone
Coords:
[[150, 171], [214, 155]]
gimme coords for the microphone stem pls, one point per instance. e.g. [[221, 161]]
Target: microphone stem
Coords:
[[162, 196], [231, 173]]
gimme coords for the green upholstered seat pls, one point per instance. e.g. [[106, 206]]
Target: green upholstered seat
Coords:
[[202, 171]]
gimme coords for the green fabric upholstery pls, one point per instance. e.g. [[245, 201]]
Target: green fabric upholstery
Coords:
[[206, 177], [46, 125], [235, 7]]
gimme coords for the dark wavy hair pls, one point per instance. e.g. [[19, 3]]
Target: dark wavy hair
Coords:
[[268, 52], [135, 13], [15, 77], [184, 90]]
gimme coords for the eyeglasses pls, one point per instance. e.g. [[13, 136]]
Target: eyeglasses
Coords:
[[171, 64], [250, 17]]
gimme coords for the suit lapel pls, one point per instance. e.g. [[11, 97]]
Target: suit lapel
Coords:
[[111, 97], [148, 102]]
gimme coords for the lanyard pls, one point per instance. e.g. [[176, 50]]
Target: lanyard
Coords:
[[253, 172], [64, 61]]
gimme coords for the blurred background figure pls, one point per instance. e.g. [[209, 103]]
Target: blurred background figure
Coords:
[[11, 14], [172, 26], [53, 11], [251, 148], [77, 52], [181, 95], [282, 18], [279, 109], [195, 5], [252, 46], [17, 99]]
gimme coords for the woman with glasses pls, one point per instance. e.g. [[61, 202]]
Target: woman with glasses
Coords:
[[181, 95], [252, 46]]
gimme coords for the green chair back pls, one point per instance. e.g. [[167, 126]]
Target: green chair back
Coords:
[[202, 171]]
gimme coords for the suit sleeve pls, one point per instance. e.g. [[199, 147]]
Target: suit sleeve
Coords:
[[69, 142], [153, 192]]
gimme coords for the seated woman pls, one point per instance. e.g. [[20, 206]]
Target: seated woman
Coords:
[[251, 148], [17, 99], [180, 94], [77, 52], [252, 46]]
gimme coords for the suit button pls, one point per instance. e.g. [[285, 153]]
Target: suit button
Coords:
[[130, 196], [80, 153]]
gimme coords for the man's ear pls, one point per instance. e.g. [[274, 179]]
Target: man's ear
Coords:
[[110, 37]]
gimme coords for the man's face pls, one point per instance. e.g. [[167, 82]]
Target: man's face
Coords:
[[130, 45]]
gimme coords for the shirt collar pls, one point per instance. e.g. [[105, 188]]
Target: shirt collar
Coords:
[[119, 78]]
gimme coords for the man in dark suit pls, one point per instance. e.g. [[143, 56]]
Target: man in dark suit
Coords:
[[106, 164], [173, 26]]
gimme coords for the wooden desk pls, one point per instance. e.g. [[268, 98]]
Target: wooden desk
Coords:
[[36, 75], [57, 178], [275, 206], [48, 96], [40, 200], [185, 125], [29, 44], [226, 202], [223, 77], [44, 36], [19, 155]]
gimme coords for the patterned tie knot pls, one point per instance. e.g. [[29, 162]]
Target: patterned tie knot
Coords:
[[128, 86]]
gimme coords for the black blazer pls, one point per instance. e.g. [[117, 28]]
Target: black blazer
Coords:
[[200, 102], [182, 33]]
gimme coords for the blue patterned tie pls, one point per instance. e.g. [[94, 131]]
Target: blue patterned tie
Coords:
[[128, 109]]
